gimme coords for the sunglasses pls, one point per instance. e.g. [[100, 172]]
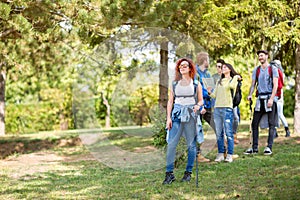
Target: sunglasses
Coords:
[[184, 66]]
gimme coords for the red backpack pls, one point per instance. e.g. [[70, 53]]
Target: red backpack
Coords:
[[280, 79]]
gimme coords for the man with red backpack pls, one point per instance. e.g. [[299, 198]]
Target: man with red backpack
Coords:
[[266, 83]]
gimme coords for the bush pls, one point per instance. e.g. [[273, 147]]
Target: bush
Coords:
[[289, 102], [28, 118]]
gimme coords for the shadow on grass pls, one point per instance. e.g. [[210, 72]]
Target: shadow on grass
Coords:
[[22, 145]]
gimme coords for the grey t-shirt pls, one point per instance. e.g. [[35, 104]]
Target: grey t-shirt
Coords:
[[265, 83]]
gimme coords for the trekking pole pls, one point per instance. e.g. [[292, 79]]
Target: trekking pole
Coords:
[[250, 124], [197, 169]]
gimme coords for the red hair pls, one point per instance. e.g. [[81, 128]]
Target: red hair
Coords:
[[192, 67]]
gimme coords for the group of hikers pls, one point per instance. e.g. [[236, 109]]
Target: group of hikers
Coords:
[[191, 101]]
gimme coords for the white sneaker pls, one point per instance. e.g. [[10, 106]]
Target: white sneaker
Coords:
[[267, 151], [229, 158], [220, 157]]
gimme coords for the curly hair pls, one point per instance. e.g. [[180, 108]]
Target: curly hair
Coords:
[[178, 75]]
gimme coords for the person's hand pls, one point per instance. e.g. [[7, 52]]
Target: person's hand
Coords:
[[169, 123], [249, 98], [196, 108], [203, 111], [209, 89], [239, 77], [270, 103]]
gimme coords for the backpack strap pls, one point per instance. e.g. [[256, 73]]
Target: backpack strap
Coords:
[[270, 70], [195, 84], [257, 74], [174, 83]]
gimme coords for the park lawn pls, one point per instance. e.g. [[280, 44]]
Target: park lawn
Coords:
[[69, 171]]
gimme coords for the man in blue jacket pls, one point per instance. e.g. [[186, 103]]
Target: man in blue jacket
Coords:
[[202, 64]]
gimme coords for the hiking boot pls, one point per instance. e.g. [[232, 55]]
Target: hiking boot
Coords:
[[267, 151], [229, 158], [186, 177], [251, 151], [169, 178], [220, 157], [201, 158], [287, 132], [236, 141]]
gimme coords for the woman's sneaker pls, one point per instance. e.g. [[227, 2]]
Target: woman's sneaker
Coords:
[[229, 158], [251, 151], [267, 151], [186, 177], [169, 178], [220, 157]]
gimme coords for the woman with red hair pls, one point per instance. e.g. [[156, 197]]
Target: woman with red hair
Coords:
[[185, 99]]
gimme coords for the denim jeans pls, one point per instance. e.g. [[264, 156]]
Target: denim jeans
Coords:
[[186, 129], [236, 120], [223, 118], [280, 114], [209, 118], [271, 120]]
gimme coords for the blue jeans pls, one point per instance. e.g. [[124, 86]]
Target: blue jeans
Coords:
[[223, 118], [186, 129], [236, 119]]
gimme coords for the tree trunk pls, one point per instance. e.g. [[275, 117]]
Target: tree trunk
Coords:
[[297, 92], [2, 100], [64, 125], [107, 116], [163, 76]]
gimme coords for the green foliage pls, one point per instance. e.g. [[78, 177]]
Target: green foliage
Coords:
[[158, 127], [4, 10], [21, 24], [40, 56], [289, 102], [28, 118]]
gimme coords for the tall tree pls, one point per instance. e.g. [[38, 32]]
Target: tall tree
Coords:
[[33, 51]]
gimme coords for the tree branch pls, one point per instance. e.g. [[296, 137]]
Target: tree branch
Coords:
[[6, 33]]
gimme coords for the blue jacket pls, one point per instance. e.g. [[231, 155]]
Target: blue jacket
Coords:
[[204, 74]]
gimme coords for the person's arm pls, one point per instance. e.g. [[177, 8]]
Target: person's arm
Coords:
[[253, 83], [199, 104], [212, 92], [251, 90], [233, 83], [169, 109]]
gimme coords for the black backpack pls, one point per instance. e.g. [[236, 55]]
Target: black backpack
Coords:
[[236, 99]]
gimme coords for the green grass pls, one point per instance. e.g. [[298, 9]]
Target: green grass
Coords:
[[248, 177]]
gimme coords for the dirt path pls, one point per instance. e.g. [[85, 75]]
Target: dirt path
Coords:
[[27, 165]]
